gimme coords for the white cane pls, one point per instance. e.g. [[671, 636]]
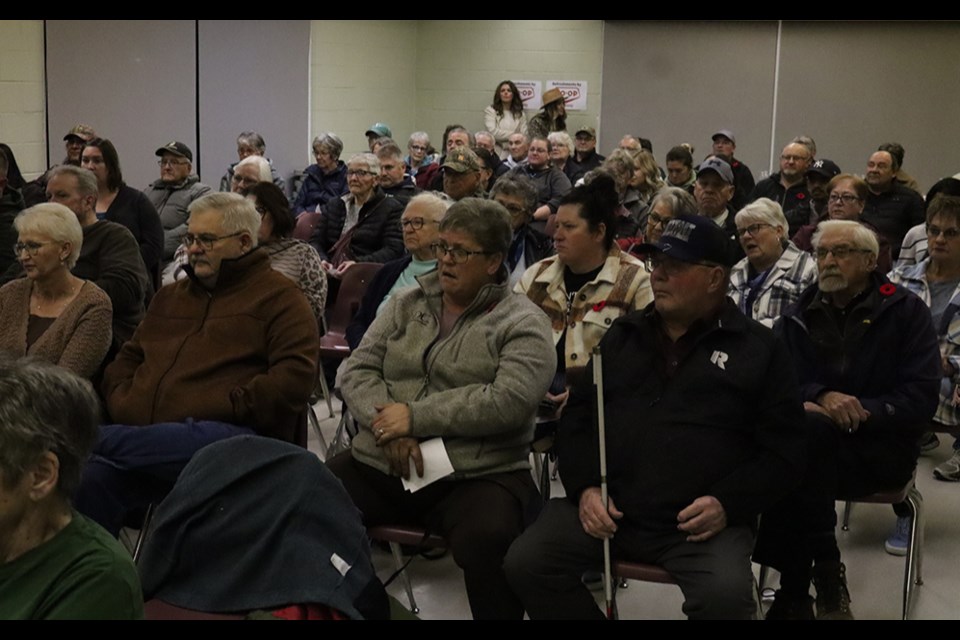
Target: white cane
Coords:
[[601, 432]]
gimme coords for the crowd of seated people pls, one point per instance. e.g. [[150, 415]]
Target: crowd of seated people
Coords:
[[507, 257]]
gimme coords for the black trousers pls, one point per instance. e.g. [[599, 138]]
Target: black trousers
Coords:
[[479, 518], [800, 529]]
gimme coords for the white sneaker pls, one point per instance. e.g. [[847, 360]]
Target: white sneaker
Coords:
[[949, 470]]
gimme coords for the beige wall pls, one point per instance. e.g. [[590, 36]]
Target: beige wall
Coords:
[[426, 74], [21, 93]]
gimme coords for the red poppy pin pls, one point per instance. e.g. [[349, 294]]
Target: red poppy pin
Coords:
[[800, 196], [600, 305], [887, 289]]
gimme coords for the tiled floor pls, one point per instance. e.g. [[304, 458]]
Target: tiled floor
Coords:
[[875, 578]]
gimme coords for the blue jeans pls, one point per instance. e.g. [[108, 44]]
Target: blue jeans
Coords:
[[132, 467]]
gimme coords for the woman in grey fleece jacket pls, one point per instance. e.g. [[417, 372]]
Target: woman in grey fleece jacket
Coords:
[[463, 359]]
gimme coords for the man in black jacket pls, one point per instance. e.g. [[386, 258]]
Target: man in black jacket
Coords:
[[867, 360], [703, 431]]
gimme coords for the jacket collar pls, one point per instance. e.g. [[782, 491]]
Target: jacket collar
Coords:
[[552, 276], [488, 296], [232, 270]]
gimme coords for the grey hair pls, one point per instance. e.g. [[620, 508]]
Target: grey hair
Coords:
[[560, 137], [484, 134], [253, 139], [263, 166], [330, 142], [517, 186], [390, 151], [679, 200], [763, 210], [418, 135], [863, 238], [808, 142], [436, 205], [486, 221], [239, 213], [45, 408], [369, 159], [56, 222], [86, 181]]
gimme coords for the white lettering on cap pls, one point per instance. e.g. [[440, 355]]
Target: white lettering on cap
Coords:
[[679, 229]]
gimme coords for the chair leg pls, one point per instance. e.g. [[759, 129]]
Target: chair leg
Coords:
[[846, 516], [337, 445], [326, 390], [144, 530], [912, 572], [398, 562], [315, 423]]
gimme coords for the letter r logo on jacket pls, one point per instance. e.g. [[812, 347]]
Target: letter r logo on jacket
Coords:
[[719, 358]]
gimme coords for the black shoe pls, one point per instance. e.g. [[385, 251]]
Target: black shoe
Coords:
[[785, 607], [833, 598]]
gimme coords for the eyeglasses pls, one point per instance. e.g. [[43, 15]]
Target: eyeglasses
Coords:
[[657, 219], [458, 255], [417, 147], [672, 266], [167, 162], [788, 158], [949, 233], [752, 230], [838, 252], [32, 248], [415, 223], [359, 173], [205, 240], [846, 198], [261, 210], [244, 180], [512, 209]]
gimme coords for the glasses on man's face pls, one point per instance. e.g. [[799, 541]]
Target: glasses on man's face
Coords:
[[845, 198], [359, 173], [32, 248], [244, 180], [415, 223], [790, 158], [751, 230], [169, 162], [839, 253], [204, 240], [418, 147], [458, 255], [949, 233]]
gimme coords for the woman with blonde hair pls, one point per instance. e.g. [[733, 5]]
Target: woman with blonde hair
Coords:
[[51, 313]]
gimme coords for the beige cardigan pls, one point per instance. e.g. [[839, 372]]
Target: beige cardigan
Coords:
[[77, 340]]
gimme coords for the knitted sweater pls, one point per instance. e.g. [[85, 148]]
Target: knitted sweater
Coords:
[[77, 340]]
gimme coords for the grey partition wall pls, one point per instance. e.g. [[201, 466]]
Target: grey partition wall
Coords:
[[143, 83], [133, 81], [849, 85], [254, 75]]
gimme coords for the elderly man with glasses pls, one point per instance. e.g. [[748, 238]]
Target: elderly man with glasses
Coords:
[[865, 352], [230, 350], [177, 187]]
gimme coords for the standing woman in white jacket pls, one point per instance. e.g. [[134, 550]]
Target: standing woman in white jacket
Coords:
[[505, 116]]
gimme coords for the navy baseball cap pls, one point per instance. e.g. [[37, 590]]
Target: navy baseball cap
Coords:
[[693, 239], [826, 168]]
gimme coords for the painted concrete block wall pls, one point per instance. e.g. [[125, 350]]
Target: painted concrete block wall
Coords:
[[426, 74], [461, 63], [21, 93], [362, 72]]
